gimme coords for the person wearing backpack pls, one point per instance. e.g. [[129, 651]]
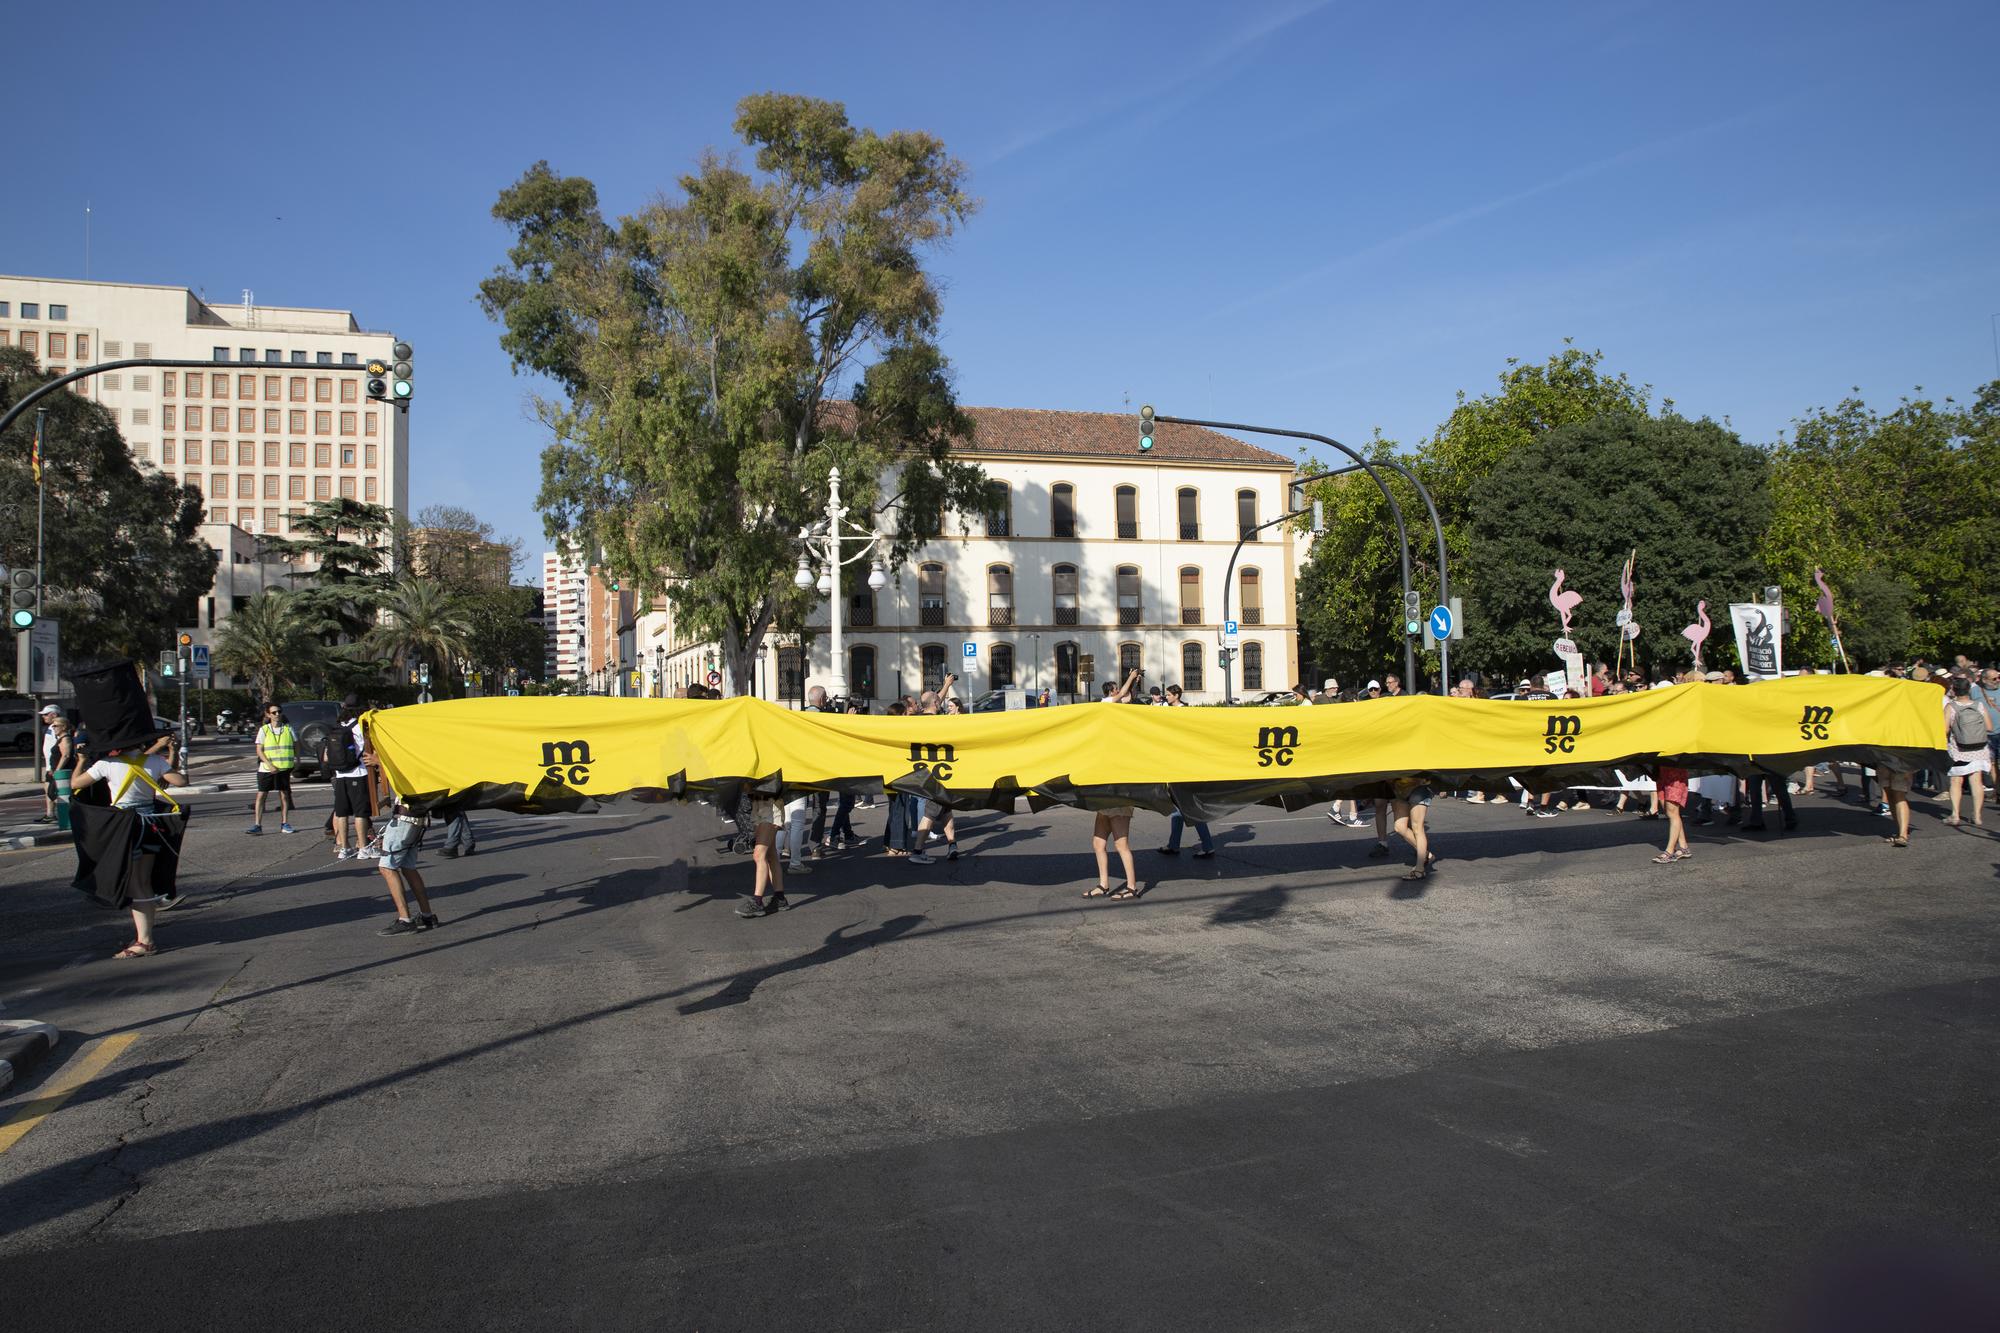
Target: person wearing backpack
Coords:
[[277, 756], [1966, 736], [340, 754]]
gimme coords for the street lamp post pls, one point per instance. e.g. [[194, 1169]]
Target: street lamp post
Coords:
[[834, 535]]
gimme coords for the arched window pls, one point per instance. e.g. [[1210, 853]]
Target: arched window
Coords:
[[1191, 668], [999, 509], [1064, 577], [1190, 595], [1128, 513], [1062, 509], [1189, 504], [1128, 595], [861, 606], [1253, 666], [933, 665], [999, 595], [861, 671], [1246, 514], [930, 595], [1066, 655], [1128, 660], [1250, 592], [1001, 673]]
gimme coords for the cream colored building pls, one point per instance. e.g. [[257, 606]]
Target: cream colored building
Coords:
[[1088, 548], [278, 418]]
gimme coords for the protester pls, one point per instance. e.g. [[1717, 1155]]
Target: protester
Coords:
[[400, 838], [1411, 803], [50, 716], [1896, 795], [944, 703], [1967, 737], [277, 748], [1176, 822], [61, 754], [341, 755], [458, 836], [768, 894], [134, 776], [1671, 786]]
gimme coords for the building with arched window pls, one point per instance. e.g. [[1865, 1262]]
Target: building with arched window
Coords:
[[1084, 559]]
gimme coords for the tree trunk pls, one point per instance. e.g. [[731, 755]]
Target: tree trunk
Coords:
[[739, 659]]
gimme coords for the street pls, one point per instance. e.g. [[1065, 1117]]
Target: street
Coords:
[[1556, 1086]]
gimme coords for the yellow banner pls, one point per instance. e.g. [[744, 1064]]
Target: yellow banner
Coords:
[[550, 753]]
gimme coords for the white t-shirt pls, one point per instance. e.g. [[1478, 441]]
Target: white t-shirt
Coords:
[[137, 795], [360, 770]]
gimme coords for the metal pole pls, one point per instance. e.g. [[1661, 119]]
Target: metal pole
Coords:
[[837, 678], [1229, 583], [41, 495]]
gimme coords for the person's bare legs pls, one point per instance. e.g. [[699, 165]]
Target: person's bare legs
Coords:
[[414, 883], [1899, 809], [770, 867], [142, 923], [1382, 822], [1100, 829], [1676, 831], [1121, 837], [1410, 828], [1978, 781], [394, 879]]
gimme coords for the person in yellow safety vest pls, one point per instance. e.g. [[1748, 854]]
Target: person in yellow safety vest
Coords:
[[277, 756]]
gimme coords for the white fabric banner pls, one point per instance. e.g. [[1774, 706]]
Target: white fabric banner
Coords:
[[1760, 643]]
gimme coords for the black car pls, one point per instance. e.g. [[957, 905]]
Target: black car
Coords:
[[313, 720]]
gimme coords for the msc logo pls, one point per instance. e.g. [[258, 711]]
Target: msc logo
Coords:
[[934, 759], [567, 762], [1563, 730], [1813, 723], [1276, 745]]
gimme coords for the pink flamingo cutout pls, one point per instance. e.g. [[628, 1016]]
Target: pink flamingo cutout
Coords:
[[1697, 633], [1625, 584], [1563, 602]]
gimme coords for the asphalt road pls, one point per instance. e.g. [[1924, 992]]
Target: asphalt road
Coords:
[[1559, 1087]]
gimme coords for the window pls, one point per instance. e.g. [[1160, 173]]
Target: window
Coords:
[[1128, 595], [296, 388], [59, 345], [31, 310], [273, 357], [31, 342], [139, 452], [83, 347], [347, 423], [323, 358], [368, 423], [322, 423], [58, 312], [322, 455], [861, 671], [193, 451], [246, 387], [140, 350], [298, 358], [860, 602], [999, 595], [246, 419], [221, 353], [349, 359], [1064, 580], [244, 518], [247, 354], [1128, 513], [1246, 515], [142, 383], [1190, 511], [218, 418], [1066, 660], [168, 382], [1128, 661], [192, 383], [270, 520], [932, 657], [295, 488], [368, 455], [1190, 595], [370, 493], [930, 595], [167, 451], [113, 380], [246, 486], [1253, 666], [1000, 674], [347, 455], [1250, 592], [322, 488], [142, 416], [273, 421], [217, 515], [347, 488], [322, 390], [274, 388], [296, 454], [272, 451], [999, 509], [295, 423], [1191, 667], [270, 486], [218, 386], [1062, 510], [347, 394], [218, 485], [6, 310]]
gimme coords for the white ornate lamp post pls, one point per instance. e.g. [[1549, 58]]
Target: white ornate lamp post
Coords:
[[824, 542]]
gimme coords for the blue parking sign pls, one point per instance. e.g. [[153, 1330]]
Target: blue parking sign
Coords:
[[971, 650]]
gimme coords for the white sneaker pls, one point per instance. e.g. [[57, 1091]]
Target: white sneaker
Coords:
[[344, 854], [370, 853]]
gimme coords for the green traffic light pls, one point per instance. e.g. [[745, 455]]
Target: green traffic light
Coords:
[[402, 389], [1145, 443], [24, 620]]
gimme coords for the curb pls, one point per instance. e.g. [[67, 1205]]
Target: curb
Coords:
[[49, 837], [24, 1044]]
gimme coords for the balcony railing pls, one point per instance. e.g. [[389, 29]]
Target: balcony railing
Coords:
[[1128, 615], [930, 615], [1190, 615], [1190, 532], [1253, 615], [1065, 615], [1063, 527], [998, 616], [861, 617], [1128, 532]]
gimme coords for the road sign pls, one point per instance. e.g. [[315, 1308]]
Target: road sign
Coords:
[[39, 657], [715, 677], [1230, 632], [1441, 622], [1456, 632], [971, 650], [638, 679], [201, 669], [167, 660]]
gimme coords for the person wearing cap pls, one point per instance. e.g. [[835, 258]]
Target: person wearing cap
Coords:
[[50, 715], [1373, 689]]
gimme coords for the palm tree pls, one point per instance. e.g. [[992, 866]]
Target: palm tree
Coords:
[[423, 624], [267, 641]]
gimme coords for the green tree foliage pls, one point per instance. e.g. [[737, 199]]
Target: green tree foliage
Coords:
[[269, 642], [1691, 497], [124, 564], [343, 551], [702, 346], [1902, 511], [1351, 588], [423, 625], [501, 637]]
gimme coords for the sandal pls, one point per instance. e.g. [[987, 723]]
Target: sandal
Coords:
[[1899, 841], [1418, 872], [136, 949], [1665, 858], [1683, 855], [1127, 891], [1101, 891]]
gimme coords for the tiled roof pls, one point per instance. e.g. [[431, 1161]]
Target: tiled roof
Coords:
[[1106, 435]]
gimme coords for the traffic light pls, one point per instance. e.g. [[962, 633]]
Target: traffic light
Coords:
[[378, 382], [1319, 518], [186, 639], [402, 381], [23, 591], [1146, 429], [1413, 613]]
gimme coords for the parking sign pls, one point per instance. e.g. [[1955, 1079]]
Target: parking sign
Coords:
[[971, 650]]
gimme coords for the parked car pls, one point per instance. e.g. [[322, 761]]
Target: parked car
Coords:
[[313, 720], [1272, 699], [17, 727], [1003, 700]]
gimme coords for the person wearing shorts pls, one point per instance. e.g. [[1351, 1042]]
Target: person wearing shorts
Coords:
[[1672, 789], [399, 871], [1896, 791], [277, 755], [1113, 828], [768, 894], [350, 795], [1409, 805]]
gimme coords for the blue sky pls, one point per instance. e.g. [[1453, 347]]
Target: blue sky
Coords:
[[1326, 215]]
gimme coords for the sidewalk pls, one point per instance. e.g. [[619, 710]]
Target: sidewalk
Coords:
[[27, 834], [17, 776]]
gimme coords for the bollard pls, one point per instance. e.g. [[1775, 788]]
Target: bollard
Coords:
[[61, 778]]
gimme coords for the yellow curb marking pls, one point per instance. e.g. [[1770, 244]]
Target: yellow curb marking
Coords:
[[16, 1126]]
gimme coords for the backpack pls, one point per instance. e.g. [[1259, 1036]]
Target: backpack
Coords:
[[337, 751], [1968, 728]]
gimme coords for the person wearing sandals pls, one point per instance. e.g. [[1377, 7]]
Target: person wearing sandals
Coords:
[[768, 895], [133, 777], [1672, 790], [1113, 827], [1966, 737], [1410, 803]]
